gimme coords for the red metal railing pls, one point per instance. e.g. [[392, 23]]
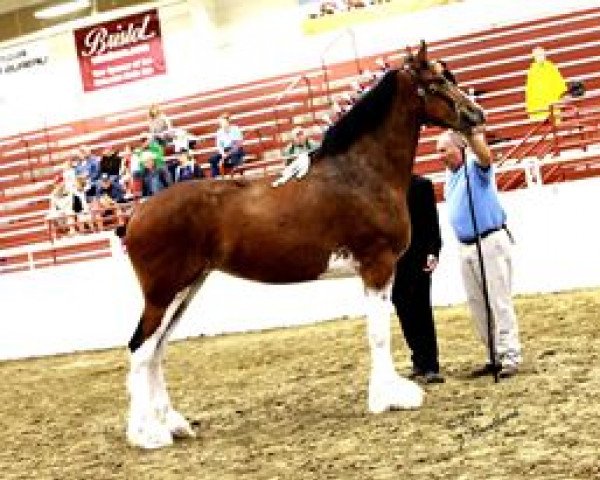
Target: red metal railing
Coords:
[[570, 124], [345, 33], [308, 100]]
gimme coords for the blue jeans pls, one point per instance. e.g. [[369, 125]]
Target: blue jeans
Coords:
[[153, 181], [233, 160]]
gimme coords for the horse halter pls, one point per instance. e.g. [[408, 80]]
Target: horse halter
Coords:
[[431, 88], [440, 89]]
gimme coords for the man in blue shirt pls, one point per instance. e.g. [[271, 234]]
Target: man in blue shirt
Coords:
[[230, 152], [490, 227]]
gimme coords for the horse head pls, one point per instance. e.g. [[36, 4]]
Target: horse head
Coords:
[[444, 104]]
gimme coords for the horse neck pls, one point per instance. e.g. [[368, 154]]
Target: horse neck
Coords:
[[390, 149]]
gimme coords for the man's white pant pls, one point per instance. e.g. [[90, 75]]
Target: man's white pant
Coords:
[[498, 271]]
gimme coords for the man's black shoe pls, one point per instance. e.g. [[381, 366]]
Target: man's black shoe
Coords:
[[487, 369], [434, 377], [415, 373]]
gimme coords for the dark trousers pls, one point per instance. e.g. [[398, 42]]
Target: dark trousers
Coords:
[[411, 295], [233, 160]]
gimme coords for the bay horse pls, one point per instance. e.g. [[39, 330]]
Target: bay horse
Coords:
[[353, 200]]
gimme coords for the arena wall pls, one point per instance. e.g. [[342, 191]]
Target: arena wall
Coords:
[[97, 304]]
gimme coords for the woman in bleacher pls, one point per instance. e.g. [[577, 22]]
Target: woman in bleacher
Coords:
[[159, 125], [65, 203]]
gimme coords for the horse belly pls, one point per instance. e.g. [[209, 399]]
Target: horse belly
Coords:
[[276, 264]]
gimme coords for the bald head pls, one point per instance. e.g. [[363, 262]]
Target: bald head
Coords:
[[450, 146], [538, 54]]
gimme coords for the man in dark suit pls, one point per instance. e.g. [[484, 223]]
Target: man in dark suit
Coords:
[[411, 293]]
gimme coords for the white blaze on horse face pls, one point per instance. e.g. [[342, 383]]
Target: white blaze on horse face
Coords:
[[387, 389]]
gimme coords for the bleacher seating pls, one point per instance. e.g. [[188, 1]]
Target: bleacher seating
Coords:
[[493, 63]]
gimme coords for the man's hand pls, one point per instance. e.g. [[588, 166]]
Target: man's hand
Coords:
[[479, 145], [431, 263]]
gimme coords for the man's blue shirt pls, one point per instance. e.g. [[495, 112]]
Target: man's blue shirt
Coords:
[[489, 214]]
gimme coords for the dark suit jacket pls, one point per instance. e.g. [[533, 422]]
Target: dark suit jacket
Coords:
[[426, 237]]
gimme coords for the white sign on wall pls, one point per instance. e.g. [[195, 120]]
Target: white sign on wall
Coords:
[[22, 70], [23, 60]]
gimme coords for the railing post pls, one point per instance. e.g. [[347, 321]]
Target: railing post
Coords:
[[347, 31], [555, 143], [283, 94], [28, 153]]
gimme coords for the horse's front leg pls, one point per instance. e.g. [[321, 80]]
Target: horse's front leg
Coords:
[[387, 389]]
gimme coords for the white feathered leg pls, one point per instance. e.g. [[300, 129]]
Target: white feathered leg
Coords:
[[143, 427], [161, 403], [387, 389]]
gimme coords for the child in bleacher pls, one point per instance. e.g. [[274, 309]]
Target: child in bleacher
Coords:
[[188, 169]]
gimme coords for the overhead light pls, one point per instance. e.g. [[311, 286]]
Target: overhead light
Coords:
[[61, 9]]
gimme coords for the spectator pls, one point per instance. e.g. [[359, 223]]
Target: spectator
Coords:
[[411, 292], [188, 169], [329, 7], [297, 157], [137, 170], [126, 173], [88, 169], [300, 143], [81, 206], [181, 142], [110, 163], [149, 173], [545, 85], [160, 164], [229, 142], [159, 126], [111, 188], [350, 4], [489, 226], [109, 193], [61, 213], [67, 174]]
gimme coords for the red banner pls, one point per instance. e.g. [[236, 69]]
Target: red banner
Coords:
[[120, 51]]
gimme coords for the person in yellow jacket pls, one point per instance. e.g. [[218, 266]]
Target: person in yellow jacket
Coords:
[[545, 85]]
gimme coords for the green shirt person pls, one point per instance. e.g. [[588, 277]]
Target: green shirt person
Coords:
[[301, 143]]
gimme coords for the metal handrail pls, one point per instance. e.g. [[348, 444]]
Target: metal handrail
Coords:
[[563, 115], [310, 100], [350, 33]]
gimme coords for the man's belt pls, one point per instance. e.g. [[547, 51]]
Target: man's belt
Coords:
[[484, 234]]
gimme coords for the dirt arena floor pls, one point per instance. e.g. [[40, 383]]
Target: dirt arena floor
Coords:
[[291, 404]]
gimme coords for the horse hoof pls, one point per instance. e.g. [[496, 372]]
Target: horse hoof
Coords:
[[401, 394], [150, 438], [179, 426]]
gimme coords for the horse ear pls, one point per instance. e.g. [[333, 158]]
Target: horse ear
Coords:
[[422, 54]]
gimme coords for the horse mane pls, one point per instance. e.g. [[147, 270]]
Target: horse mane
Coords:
[[364, 117]]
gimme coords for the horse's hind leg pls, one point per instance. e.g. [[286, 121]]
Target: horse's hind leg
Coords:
[[143, 428], [387, 389], [152, 420], [175, 422]]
